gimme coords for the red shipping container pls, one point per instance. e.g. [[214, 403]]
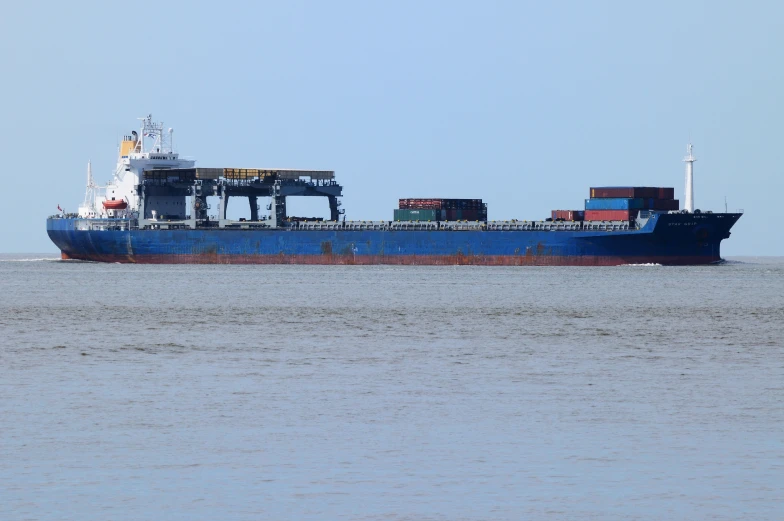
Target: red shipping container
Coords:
[[568, 215], [666, 193], [610, 215], [623, 192], [420, 204], [608, 191], [440, 204]]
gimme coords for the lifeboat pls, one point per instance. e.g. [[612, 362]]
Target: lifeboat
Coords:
[[115, 205]]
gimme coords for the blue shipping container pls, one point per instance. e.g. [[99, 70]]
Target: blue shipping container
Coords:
[[615, 204]]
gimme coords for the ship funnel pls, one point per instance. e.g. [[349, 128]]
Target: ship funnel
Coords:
[[689, 193]]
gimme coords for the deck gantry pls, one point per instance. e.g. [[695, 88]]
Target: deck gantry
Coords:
[[159, 187]]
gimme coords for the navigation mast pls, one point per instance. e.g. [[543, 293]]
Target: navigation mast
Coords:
[[87, 209], [688, 204]]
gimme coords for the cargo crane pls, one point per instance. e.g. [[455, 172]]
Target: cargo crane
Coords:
[[163, 189]]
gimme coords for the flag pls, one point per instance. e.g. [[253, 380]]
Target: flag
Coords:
[[58, 207]]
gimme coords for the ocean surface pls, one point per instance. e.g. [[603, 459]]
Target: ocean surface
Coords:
[[383, 393]]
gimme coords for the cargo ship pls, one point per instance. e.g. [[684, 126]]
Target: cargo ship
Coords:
[[156, 209]]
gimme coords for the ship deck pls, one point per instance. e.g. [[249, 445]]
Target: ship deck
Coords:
[[102, 224]]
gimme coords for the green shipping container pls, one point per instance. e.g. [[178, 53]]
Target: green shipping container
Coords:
[[417, 215]]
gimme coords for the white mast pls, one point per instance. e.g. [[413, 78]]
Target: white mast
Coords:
[[142, 132], [87, 209], [688, 204]]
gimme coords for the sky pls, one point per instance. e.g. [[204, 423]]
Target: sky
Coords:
[[523, 104]]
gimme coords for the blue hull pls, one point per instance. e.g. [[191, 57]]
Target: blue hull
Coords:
[[666, 239]]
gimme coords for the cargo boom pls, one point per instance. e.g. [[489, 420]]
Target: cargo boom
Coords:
[[155, 210]]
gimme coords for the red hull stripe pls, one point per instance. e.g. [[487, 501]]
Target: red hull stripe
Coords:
[[421, 260]]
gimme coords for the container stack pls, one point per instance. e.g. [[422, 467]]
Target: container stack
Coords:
[[407, 214], [441, 210], [568, 215], [623, 203]]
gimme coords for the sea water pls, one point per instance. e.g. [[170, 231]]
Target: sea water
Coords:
[[375, 392]]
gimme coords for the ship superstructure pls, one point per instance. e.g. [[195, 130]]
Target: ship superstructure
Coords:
[[148, 149], [157, 209]]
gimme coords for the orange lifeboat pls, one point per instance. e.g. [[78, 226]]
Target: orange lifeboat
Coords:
[[115, 205]]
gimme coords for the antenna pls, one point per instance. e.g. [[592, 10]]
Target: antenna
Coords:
[[725, 204], [688, 204]]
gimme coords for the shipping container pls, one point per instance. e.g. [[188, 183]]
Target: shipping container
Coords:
[[616, 204], [666, 204], [567, 215], [631, 204], [438, 204], [666, 193], [462, 204], [463, 215], [610, 215], [420, 204], [417, 215], [629, 192]]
